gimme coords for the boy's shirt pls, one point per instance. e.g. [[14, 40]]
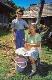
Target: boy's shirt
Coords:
[[33, 39], [19, 24]]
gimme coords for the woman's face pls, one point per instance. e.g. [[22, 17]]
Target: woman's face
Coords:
[[32, 30]]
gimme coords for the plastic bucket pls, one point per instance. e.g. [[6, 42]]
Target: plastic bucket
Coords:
[[21, 63]]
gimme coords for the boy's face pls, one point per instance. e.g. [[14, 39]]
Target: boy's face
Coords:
[[19, 14]]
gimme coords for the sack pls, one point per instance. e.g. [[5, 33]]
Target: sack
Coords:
[[21, 63]]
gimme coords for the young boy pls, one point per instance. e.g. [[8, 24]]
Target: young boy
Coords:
[[18, 25]]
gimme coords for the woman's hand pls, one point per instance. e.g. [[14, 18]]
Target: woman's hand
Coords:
[[27, 46]]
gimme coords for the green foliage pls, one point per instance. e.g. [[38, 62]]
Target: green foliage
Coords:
[[12, 13], [7, 67], [13, 6]]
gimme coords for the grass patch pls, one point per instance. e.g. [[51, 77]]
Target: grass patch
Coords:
[[7, 67]]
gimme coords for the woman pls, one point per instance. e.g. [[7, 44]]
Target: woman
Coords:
[[33, 41]]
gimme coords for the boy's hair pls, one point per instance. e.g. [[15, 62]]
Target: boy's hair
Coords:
[[19, 10]]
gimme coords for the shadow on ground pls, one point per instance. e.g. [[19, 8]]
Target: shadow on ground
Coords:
[[42, 69]]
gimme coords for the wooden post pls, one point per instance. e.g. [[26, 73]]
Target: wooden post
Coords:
[[40, 13]]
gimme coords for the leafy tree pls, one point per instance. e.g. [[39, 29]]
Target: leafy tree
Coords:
[[13, 6]]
